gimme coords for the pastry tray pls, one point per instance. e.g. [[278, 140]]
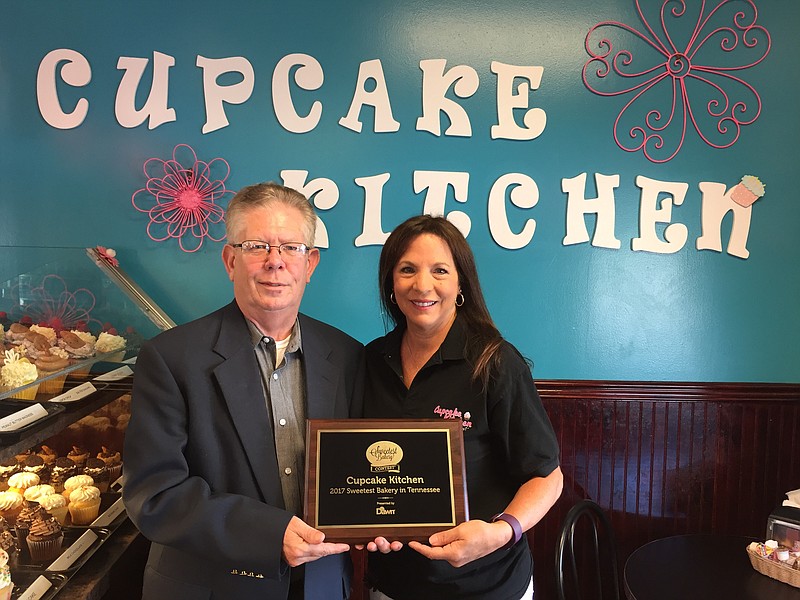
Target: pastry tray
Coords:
[[41, 581], [9, 407]]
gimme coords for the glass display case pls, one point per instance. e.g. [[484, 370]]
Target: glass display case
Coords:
[[63, 291], [77, 305]]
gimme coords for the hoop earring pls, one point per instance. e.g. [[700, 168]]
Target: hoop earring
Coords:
[[460, 295], [391, 298]]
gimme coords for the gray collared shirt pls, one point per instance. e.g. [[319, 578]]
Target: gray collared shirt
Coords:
[[285, 397]]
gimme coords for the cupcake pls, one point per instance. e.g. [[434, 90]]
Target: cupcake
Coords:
[[51, 367], [35, 464], [7, 468], [45, 539], [47, 332], [16, 333], [56, 505], [97, 470], [63, 468], [34, 345], [17, 372], [84, 505], [747, 191], [78, 455], [75, 482], [19, 482], [113, 462], [29, 512], [6, 585], [75, 346], [8, 542], [111, 344], [48, 455], [36, 492], [10, 506]]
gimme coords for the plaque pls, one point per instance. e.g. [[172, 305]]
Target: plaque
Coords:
[[399, 479]]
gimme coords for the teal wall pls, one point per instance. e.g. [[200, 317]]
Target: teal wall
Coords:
[[576, 310]]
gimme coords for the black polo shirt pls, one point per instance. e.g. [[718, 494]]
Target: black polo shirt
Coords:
[[508, 439]]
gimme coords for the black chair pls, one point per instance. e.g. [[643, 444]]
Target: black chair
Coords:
[[586, 560]]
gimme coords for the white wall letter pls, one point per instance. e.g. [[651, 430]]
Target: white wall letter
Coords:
[[323, 194], [524, 194], [308, 77], [649, 214], [372, 234], [716, 203], [156, 106], [215, 95], [77, 72], [378, 98], [463, 79], [535, 119], [578, 205], [437, 182]]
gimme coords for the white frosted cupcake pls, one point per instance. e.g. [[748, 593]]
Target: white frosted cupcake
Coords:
[[19, 482], [56, 505], [112, 344], [35, 492], [75, 482], [84, 504], [11, 504], [18, 371]]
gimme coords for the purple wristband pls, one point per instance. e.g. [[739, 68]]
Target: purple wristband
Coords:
[[515, 526]]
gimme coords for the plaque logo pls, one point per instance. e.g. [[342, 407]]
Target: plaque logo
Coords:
[[384, 457]]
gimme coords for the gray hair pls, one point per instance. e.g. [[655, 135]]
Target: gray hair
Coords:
[[264, 195]]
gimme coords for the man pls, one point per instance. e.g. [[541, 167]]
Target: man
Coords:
[[214, 448]]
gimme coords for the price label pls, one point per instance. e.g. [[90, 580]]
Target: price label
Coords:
[[116, 374], [76, 393], [37, 589], [74, 552]]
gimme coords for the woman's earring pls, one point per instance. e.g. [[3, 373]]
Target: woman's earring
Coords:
[[391, 298], [460, 295]]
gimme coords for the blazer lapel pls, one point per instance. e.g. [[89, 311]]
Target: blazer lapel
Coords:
[[240, 381], [322, 377]]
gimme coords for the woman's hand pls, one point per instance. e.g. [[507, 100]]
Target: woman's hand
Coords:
[[466, 542]]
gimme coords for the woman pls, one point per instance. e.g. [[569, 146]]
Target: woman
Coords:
[[446, 353]]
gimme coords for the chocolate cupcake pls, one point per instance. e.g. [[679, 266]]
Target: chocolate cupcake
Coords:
[[8, 542], [113, 462], [30, 510], [63, 468], [48, 455], [7, 468], [44, 539], [97, 470], [78, 455], [35, 464]]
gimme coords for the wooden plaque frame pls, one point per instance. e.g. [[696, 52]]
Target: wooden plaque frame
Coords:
[[375, 493]]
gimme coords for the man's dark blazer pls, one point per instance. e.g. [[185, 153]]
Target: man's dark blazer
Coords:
[[201, 474]]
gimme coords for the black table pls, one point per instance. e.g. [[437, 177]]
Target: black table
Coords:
[[702, 567]]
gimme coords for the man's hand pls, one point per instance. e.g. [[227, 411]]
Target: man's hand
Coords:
[[302, 544]]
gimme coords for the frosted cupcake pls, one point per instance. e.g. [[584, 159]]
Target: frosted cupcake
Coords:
[[45, 539], [84, 505], [7, 468], [16, 333], [747, 191], [113, 344], [56, 505], [51, 367], [8, 542], [36, 492], [48, 455], [10, 506], [6, 585], [35, 464], [48, 332], [113, 462], [63, 468], [97, 470], [78, 455], [17, 372], [34, 345], [19, 482], [25, 518], [75, 482]]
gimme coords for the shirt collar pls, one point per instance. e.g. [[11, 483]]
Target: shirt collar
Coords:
[[295, 339], [452, 348]]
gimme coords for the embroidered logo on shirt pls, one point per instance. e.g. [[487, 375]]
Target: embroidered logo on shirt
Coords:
[[454, 413]]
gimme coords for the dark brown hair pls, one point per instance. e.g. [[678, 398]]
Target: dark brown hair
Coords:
[[483, 339]]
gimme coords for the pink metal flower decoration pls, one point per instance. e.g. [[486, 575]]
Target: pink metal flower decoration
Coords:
[[182, 200], [685, 66], [53, 304], [108, 254]]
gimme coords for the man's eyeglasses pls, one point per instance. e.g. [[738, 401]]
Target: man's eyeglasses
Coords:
[[258, 250]]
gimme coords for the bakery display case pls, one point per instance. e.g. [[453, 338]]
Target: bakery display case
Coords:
[[72, 325]]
